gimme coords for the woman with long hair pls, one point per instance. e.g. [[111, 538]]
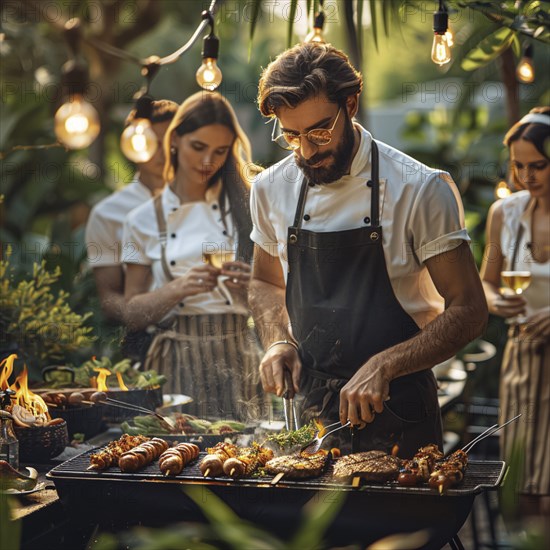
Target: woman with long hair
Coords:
[[518, 252], [187, 254]]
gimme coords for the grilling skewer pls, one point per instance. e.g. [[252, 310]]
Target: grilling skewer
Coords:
[[487, 433]]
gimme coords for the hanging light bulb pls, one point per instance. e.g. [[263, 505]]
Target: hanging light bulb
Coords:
[[209, 76], [138, 141], [76, 123], [525, 71], [316, 35], [441, 50], [502, 190]]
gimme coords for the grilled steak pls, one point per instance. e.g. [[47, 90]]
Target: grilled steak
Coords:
[[374, 466], [298, 466]]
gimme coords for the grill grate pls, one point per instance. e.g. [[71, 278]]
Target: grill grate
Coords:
[[479, 475]]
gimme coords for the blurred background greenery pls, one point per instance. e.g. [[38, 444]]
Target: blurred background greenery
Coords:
[[449, 117]]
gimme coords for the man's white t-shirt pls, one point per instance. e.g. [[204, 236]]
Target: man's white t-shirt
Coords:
[[420, 210]]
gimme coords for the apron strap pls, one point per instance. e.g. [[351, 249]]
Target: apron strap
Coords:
[[161, 222], [301, 203], [516, 247], [374, 184], [375, 194]]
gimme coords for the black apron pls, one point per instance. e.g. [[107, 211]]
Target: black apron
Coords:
[[343, 311]]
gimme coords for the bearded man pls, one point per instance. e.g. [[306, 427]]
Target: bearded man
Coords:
[[363, 278]]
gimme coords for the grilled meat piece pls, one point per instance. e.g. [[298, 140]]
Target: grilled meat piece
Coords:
[[212, 464], [142, 455], [375, 466], [299, 466], [114, 450], [174, 460], [247, 461]]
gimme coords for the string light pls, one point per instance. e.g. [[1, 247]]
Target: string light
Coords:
[[316, 35], [209, 75], [441, 51], [525, 71], [76, 122], [138, 141]]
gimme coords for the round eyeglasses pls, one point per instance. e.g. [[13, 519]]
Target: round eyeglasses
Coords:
[[292, 141]]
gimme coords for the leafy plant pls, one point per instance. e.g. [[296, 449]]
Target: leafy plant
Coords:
[[40, 322], [227, 530]]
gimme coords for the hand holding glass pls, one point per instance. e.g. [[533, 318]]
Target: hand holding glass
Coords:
[[216, 259], [517, 282]]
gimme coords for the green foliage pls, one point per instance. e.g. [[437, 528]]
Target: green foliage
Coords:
[[488, 49], [10, 531], [41, 323]]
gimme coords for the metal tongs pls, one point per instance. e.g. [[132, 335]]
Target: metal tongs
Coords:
[[315, 444], [168, 422], [488, 432], [289, 407]]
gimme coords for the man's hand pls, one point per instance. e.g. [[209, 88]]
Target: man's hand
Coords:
[[275, 360], [365, 393]]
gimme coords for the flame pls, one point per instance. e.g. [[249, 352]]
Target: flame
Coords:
[[319, 426], [121, 382], [23, 396], [102, 379], [395, 450], [26, 398], [5, 373]]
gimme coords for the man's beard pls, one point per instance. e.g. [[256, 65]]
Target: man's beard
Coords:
[[341, 160]]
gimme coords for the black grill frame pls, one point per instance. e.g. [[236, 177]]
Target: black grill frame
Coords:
[[368, 514]]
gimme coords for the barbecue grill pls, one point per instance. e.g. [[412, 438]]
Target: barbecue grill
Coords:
[[369, 513]]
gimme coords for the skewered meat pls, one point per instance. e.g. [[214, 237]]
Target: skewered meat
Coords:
[[247, 461], [376, 466], [212, 464], [298, 466], [143, 454], [114, 450], [419, 468], [449, 472], [172, 461]]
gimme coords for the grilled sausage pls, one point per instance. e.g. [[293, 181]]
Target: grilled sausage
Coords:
[[142, 455], [212, 464], [172, 461], [234, 467]]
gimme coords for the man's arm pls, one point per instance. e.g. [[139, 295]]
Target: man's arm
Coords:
[[455, 277], [109, 281], [267, 303]]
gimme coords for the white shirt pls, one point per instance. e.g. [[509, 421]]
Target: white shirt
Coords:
[[518, 209], [420, 209], [106, 223], [191, 228]]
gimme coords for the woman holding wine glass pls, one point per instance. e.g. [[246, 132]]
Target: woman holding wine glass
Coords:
[[187, 258], [517, 256]]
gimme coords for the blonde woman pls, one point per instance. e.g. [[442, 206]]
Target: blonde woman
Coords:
[[203, 342], [518, 239]]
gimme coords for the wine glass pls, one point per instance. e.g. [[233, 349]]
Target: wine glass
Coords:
[[516, 282], [216, 258]]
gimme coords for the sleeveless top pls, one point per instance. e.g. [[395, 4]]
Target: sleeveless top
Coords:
[[518, 211]]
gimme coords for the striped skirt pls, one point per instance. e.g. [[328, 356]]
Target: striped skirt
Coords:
[[214, 359], [525, 388]]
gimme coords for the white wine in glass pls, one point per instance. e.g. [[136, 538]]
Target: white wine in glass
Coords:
[[218, 258], [517, 282]]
